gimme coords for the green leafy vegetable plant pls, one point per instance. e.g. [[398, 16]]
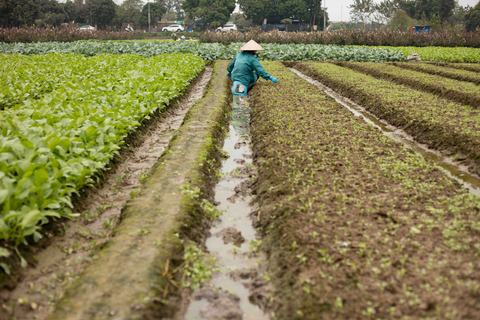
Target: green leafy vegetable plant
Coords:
[[53, 144]]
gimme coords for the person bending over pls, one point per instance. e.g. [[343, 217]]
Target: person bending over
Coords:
[[246, 68]]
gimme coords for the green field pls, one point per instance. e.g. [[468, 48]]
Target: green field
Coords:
[[350, 223]]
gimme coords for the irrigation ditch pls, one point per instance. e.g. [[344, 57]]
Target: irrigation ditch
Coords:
[[238, 289]]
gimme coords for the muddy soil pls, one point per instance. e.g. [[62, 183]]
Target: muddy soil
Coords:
[[66, 256], [238, 290], [356, 226]]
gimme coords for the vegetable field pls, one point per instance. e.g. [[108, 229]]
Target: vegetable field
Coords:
[[438, 122], [353, 224], [460, 91], [58, 133], [366, 228], [209, 51]]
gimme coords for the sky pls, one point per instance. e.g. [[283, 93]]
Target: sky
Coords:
[[338, 9]]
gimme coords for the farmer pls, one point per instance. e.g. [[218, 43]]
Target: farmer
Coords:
[[245, 68]]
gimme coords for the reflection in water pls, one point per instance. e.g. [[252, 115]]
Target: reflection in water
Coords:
[[227, 295]]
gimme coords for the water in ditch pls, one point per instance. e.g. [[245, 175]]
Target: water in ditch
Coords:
[[451, 168], [233, 238]]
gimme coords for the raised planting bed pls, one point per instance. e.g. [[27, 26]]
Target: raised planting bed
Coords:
[[443, 70], [437, 122], [460, 91], [356, 226], [465, 66], [53, 146], [139, 273]]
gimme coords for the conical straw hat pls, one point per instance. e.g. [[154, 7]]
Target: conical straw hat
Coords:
[[251, 46]]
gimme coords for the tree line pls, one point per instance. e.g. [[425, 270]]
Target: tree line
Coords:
[[395, 14], [402, 14], [100, 13]]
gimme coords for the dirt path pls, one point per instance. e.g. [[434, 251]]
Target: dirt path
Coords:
[[62, 262]]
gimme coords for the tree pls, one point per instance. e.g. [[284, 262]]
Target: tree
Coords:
[[258, 10], [458, 17], [435, 22], [76, 11], [361, 11], [101, 12], [446, 9], [130, 11], [174, 9], [51, 13], [303, 10], [15, 13], [292, 9], [409, 6], [472, 18], [314, 13], [213, 12], [384, 11], [401, 21], [240, 21], [156, 12], [423, 21]]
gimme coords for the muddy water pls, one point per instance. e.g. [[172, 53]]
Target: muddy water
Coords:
[[452, 168], [63, 260], [233, 236]]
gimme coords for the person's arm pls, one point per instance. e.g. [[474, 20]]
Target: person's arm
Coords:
[[230, 67], [259, 69], [261, 72]]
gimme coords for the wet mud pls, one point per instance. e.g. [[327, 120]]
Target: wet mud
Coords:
[[62, 261], [237, 290]]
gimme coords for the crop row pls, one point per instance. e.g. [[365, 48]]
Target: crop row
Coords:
[[465, 66], [24, 77], [209, 51], [53, 146], [444, 71], [356, 225], [435, 121], [440, 54], [460, 91]]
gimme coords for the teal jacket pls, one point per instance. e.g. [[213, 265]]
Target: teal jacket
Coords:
[[242, 67]]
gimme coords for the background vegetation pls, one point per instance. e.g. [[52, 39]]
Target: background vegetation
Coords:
[[399, 15]]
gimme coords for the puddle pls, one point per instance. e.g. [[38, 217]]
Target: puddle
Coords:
[[453, 169], [227, 294], [66, 256]]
